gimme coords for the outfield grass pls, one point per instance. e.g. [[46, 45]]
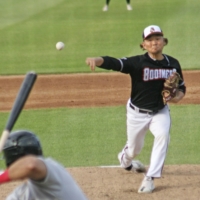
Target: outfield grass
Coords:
[[94, 136], [29, 31]]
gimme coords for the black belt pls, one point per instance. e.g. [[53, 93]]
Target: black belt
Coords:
[[144, 111]]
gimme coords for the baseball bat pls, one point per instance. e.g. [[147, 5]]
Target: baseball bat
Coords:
[[18, 104]]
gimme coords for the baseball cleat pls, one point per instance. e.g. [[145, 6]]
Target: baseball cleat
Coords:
[[138, 167], [129, 7], [147, 185], [105, 8]]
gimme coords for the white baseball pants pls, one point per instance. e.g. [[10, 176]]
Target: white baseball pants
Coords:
[[137, 126]]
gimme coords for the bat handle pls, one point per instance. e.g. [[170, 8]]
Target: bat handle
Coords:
[[4, 137]]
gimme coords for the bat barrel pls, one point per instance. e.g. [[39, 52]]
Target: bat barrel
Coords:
[[18, 105], [21, 99]]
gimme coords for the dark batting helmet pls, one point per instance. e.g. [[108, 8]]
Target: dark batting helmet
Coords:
[[21, 143]]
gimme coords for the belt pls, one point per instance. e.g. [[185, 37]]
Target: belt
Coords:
[[144, 111]]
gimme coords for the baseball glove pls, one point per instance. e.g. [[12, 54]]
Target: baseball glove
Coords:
[[170, 87]]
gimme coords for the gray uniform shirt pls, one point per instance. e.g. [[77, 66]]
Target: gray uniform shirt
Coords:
[[57, 185]]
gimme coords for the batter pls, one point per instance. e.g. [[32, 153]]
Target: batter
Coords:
[[145, 108], [45, 177]]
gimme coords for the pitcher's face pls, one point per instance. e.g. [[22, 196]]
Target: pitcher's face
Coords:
[[154, 44]]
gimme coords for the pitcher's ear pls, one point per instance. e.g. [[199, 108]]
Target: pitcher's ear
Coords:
[[166, 41], [142, 46]]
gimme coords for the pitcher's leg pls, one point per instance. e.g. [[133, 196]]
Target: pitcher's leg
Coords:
[[137, 126], [160, 127]]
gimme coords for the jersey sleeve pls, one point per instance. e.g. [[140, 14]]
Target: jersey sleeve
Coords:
[[58, 183], [111, 63], [124, 65]]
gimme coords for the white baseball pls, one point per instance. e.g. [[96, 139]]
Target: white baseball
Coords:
[[60, 45]]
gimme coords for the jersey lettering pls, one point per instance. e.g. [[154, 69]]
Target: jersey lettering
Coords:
[[155, 74]]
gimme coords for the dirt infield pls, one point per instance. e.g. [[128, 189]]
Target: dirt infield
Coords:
[[105, 89], [83, 90]]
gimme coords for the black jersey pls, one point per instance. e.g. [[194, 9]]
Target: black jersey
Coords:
[[147, 77]]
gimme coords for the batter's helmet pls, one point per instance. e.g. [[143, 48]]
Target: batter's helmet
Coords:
[[20, 143]]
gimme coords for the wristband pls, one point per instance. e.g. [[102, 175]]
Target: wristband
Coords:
[[4, 177]]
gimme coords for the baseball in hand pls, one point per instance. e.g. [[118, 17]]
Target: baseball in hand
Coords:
[[60, 45]]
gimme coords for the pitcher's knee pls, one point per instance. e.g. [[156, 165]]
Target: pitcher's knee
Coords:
[[162, 137]]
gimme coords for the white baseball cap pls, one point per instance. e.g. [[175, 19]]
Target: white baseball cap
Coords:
[[151, 30]]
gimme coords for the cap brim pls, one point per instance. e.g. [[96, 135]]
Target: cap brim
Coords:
[[153, 33]]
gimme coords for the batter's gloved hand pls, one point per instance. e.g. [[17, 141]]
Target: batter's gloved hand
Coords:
[[170, 87]]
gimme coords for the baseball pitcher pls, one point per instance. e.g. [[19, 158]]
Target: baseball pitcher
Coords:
[[156, 80]]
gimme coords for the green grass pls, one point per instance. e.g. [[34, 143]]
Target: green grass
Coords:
[[94, 136], [29, 31], [184, 147]]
